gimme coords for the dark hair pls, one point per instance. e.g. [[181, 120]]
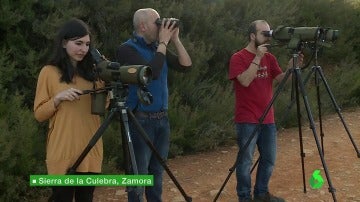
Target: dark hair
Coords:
[[72, 29], [252, 27]]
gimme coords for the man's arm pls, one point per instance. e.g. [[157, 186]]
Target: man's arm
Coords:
[[249, 74], [184, 58], [127, 55]]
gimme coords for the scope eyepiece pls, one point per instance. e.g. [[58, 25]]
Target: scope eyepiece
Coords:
[[267, 33]]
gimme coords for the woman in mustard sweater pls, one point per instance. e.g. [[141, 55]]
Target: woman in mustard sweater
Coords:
[[58, 99]]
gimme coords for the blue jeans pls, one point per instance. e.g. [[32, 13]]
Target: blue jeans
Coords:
[[158, 131], [265, 139]]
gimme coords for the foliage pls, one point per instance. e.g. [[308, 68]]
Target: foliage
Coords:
[[21, 147], [201, 101]]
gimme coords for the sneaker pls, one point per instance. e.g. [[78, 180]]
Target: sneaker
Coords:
[[268, 198]]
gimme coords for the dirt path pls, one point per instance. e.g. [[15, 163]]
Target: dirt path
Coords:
[[202, 175]]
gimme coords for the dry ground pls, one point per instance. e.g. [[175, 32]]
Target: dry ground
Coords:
[[202, 175]]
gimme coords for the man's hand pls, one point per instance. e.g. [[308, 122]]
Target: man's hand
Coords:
[[261, 50], [166, 31], [175, 35]]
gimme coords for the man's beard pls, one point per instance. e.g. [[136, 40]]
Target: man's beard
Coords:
[[257, 43]]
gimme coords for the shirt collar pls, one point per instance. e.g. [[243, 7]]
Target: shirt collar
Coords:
[[141, 41]]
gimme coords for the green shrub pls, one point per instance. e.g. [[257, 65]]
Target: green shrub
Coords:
[[22, 149]]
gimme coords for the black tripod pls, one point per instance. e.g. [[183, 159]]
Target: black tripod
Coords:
[[299, 89], [118, 94], [319, 76]]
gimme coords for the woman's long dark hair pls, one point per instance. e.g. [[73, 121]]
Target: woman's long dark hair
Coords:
[[72, 29]]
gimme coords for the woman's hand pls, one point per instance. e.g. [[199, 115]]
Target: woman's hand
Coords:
[[70, 94]]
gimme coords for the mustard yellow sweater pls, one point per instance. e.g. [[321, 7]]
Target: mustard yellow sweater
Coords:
[[71, 124]]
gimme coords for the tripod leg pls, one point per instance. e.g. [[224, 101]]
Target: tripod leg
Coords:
[[126, 134], [129, 152], [292, 100], [90, 145], [317, 84], [337, 108], [240, 153], [246, 145], [126, 154], [157, 155], [255, 164], [312, 126], [93, 141], [302, 154]]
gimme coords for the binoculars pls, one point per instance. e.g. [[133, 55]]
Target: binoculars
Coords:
[[158, 22]]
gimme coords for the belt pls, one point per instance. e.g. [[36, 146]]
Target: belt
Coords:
[[151, 115]]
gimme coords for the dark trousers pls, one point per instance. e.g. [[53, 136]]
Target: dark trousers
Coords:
[[68, 193]]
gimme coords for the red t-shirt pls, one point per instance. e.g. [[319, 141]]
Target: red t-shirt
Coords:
[[251, 101]]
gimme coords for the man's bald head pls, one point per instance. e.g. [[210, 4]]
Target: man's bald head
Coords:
[[143, 16]]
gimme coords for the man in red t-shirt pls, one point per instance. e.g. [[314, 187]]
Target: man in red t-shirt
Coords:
[[253, 70]]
